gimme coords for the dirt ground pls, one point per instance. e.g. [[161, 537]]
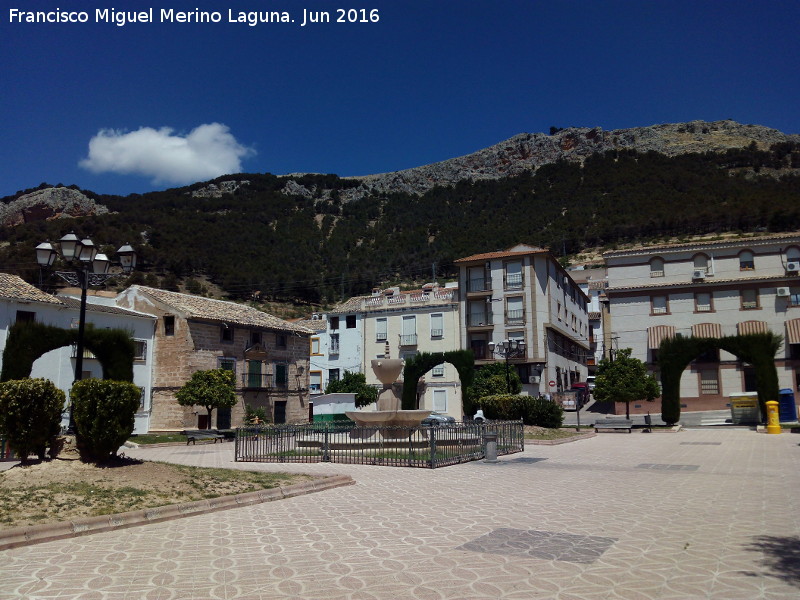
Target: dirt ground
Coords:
[[66, 488]]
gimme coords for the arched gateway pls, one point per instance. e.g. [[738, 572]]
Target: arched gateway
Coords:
[[675, 354]]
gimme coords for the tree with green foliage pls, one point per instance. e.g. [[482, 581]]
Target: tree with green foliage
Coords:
[[354, 383], [104, 412], [492, 380], [214, 388], [30, 416], [624, 379]]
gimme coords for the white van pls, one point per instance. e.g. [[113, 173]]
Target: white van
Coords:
[[590, 381]]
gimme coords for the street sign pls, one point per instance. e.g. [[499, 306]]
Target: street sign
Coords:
[[551, 383]]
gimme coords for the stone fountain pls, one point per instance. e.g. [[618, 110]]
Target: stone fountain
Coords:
[[389, 413]]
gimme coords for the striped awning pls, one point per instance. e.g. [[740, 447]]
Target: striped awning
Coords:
[[707, 330], [746, 327], [793, 331], [657, 333]]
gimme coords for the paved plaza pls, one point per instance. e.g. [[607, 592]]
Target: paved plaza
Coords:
[[712, 513]]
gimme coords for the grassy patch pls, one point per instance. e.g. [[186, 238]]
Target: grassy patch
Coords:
[[552, 434], [59, 490]]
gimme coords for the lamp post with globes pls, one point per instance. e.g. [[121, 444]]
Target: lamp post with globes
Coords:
[[90, 269], [507, 349]]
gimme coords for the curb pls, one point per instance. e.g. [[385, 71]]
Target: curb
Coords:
[[35, 534], [567, 440]]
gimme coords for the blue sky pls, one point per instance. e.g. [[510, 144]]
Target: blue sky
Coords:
[[164, 104]]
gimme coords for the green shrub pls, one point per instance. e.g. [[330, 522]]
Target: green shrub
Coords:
[[531, 409], [104, 413], [30, 415]]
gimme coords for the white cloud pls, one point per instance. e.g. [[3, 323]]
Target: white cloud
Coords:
[[206, 152]]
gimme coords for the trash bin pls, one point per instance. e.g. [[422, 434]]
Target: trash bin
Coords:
[[787, 409], [744, 408]]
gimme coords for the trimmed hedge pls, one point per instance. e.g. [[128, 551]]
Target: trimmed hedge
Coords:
[[104, 413], [30, 416], [533, 410]]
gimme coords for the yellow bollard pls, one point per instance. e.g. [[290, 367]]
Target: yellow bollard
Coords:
[[773, 422]]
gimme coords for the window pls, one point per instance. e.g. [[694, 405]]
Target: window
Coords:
[[478, 314], [794, 296], [380, 330], [437, 371], [746, 261], [226, 333], [351, 321], [315, 346], [334, 323], [749, 299], [140, 349], [254, 376], [169, 325], [440, 400], [437, 325], [702, 302], [700, 262], [333, 374], [315, 382], [334, 346], [280, 340], [709, 382], [281, 375], [26, 316], [657, 267], [478, 346], [559, 311], [476, 280], [660, 305], [227, 363], [408, 337], [514, 310], [514, 275], [255, 338]]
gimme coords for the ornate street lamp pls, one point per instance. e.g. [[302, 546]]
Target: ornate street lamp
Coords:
[[510, 348], [91, 269]]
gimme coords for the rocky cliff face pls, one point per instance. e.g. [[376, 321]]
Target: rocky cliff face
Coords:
[[529, 151], [49, 203]]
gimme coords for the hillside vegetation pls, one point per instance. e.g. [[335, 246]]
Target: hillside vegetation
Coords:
[[311, 246]]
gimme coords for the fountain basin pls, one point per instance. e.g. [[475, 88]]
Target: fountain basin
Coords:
[[388, 418]]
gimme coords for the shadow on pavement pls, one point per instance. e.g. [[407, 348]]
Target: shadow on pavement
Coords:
[[781, 556]]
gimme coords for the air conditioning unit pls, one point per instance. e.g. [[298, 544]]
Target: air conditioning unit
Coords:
[[783, 292], [534, 379], [793, 267], [698, 274]]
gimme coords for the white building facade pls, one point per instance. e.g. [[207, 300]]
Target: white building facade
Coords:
[[708, 289], [21, 301], [524, 293], [403, 324]]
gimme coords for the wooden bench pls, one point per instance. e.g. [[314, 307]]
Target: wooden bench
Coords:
[[192, 435], [613, 425]]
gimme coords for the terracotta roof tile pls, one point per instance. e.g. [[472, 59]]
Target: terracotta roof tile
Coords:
[[221, 311], [15, 288], [501, 254]]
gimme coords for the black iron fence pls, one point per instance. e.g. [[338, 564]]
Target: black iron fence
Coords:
[[423, 446]]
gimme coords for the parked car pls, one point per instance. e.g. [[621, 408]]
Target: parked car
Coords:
[[583, 390], [435, 419]]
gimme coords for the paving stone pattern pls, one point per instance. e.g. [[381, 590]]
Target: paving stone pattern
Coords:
[[576, 521]]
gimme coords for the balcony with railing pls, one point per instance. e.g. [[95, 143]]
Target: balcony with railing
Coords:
[[513, 281], [515, 317], [256, 381], [479, 285], [409, 339], [437, 333], [479, 319]]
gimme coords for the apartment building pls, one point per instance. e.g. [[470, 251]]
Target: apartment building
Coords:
[[523, 293], [403, 324], [708, 288], [593, 281]]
